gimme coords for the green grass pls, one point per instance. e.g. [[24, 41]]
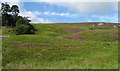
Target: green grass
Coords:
[[48, 49]]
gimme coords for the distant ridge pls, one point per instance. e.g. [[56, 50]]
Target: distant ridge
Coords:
[[80, 23]]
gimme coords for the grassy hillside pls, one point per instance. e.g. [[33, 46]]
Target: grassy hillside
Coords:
[[62, 46]]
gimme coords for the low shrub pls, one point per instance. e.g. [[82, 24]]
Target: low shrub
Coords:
[[24, 29]]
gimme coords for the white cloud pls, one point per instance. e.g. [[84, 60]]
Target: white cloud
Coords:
[[108, 18], [54, 13], [37, 13], [62, 0], [60, 14], [103, 10], [89, 20], [46, 13], [33, 17], [82, 6], [79, 6], [89, 7]]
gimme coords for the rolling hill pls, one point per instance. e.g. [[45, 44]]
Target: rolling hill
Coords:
[[63, 46]]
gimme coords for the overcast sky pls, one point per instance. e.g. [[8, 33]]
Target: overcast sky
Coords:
[[73, 11]]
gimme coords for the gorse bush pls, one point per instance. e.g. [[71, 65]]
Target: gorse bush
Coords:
[[22, 20], [24, 29]]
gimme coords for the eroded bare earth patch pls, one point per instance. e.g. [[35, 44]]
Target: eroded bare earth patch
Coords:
[[74, 30], [115, 36], [76, 36], [107, 26], [26, 45], [74, 45]]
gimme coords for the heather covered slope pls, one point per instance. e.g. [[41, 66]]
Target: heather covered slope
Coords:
[[63, 46]]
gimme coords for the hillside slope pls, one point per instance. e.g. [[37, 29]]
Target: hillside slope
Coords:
[[62, 46]]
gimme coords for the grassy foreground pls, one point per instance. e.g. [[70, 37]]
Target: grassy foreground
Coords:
[[61, 46]]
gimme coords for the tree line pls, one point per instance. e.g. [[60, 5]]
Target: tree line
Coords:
[[11, 19]]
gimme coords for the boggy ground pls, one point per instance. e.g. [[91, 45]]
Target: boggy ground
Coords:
[[62, 46]]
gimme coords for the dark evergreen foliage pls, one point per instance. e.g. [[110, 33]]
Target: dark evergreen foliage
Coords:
[[11, 19]]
